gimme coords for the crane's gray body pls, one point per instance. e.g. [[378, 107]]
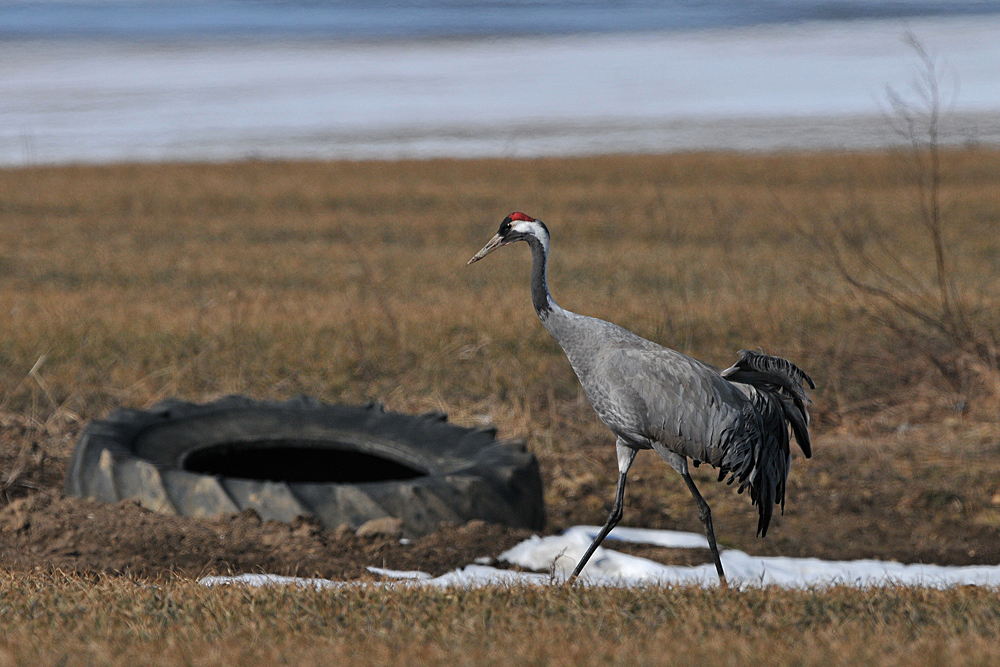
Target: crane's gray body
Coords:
[[652, 397], [647, 393]]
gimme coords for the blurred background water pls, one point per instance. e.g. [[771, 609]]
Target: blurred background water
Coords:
[[174, 80], [409, 19]]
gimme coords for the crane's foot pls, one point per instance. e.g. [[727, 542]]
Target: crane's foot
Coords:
[[593, 547]]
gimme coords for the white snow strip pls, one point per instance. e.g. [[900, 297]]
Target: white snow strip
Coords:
[[555, 557], [560, 553], [470, 576], [416, 575], [473, 576], [261, 580], [674, 539]]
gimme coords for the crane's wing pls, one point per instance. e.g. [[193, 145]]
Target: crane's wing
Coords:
[[660, 394], [663, 395]]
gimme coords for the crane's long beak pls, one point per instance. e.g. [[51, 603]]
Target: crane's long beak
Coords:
[[494, 243]]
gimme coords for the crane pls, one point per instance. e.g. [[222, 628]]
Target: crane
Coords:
[[652, 397]]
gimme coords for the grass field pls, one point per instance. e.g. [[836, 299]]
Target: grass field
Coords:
[[347, 280], [49, 620], [122, 285]]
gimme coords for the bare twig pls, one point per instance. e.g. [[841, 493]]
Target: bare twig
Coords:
[[922, 307]]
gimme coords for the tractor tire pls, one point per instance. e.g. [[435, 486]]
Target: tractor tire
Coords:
[[340, 464]]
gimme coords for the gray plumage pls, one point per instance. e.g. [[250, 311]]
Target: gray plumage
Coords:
[[652, 397]]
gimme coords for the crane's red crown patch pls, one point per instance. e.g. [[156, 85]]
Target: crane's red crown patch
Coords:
[[522, 217]]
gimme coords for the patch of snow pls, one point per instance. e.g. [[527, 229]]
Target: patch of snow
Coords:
[[399, 574], [474, 576], [674, 539], [556, 556], [560, 553], [261, 580]]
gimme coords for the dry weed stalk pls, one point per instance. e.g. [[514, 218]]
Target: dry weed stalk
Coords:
[[919, 302]]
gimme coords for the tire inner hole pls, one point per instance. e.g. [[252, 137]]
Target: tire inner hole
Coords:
[[293, 461]]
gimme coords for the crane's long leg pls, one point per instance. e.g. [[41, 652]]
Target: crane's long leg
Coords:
[[705, 514], [625, 457], [680, 464]]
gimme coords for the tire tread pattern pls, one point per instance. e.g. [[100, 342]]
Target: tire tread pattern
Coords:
[[137, 455]]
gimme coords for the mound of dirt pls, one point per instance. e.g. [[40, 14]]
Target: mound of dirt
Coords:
[[50, 531]]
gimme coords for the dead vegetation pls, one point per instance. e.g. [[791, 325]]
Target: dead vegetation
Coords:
[[347, 280], [72, 621], [122, 285], [904, 272]]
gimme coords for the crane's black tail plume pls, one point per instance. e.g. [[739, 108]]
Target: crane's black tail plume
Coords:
[[781, 403], [782, 379]]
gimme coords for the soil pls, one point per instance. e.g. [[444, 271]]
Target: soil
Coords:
[[51, 531], [884, 499]]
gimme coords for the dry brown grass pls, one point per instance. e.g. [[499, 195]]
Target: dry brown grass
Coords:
[[347, 281], [70, 621]]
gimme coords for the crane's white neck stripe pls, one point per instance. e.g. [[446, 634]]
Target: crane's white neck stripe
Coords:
[[536, 230]]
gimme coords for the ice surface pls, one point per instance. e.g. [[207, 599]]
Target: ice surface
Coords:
[[806, 85], [555, 557]]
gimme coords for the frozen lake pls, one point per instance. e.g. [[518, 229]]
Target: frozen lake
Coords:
[[814, 84]]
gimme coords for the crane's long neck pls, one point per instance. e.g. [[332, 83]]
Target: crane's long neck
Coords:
[[544, 305], [540, 297], [574, 333]]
